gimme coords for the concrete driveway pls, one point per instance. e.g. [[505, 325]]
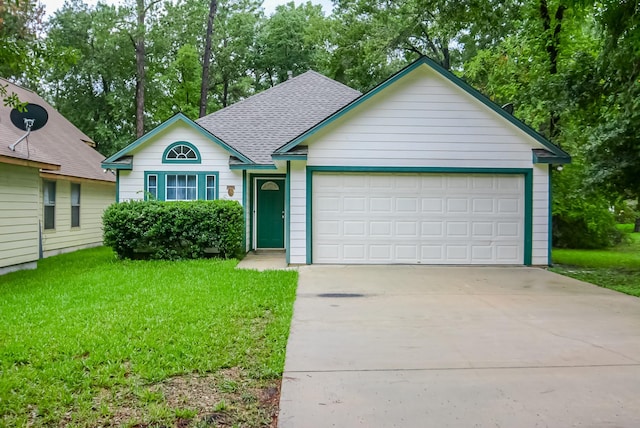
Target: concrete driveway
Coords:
[[421, 346]]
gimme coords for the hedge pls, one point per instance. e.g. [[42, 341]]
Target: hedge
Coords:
[[174, 230]]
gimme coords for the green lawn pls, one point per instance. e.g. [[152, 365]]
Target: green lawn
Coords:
[[617, 268], [88, 340]]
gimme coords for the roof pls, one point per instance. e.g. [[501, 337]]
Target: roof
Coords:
[[258, 125], [58, 144], [560, 156]]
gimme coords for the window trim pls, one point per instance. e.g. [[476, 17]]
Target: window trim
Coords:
[[171, 146], [147, 192], [48, 203], [75, 205], [201, 183], [215, 187]]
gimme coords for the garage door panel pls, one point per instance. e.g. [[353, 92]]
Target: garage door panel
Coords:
[[418, 218]]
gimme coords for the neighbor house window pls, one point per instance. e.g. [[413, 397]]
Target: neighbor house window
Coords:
[[181, 152], [211, 187], [75, 205], [49, 196], [152, 187], [182, 187]]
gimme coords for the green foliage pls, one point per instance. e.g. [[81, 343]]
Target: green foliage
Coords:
[[174, 230], [88, 339], [582, 217]]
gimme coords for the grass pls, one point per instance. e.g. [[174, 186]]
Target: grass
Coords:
[[616, 268], [88, 340]]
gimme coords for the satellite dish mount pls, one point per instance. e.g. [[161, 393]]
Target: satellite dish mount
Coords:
[[32, 118]]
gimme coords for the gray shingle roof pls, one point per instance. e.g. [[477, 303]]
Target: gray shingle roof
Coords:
[[263, 122], [58, 143]]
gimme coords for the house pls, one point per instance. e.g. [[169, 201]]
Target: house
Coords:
[[422, 169], [52, 188]]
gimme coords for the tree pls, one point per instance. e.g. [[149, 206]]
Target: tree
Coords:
[[138, 40], [94, 90], [614, 149], [289, 41], [20, 22]]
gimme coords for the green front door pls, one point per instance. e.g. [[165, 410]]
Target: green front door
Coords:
[[270, 213]]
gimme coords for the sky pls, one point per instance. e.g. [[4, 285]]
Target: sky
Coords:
[[269, 5]]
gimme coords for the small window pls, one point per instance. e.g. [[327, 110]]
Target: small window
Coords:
[[182, 187], [152, 187], [181, 152], [211, 187], [75, 205], [269, 185], [49, 196]]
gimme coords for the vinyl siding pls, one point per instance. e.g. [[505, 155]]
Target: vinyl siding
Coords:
[[148, 157], [424, 120], [298, 214], [18, 215], [95, 197]]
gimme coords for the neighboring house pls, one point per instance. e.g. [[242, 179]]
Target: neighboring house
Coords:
[[52, 188], [422, 169]]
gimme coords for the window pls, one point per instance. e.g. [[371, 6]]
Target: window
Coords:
[[211, 187], [49, 196], [75, 205], [181, 152], [152, 187], [182, 187]]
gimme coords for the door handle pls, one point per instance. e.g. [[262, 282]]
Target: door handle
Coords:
[[283, 214]]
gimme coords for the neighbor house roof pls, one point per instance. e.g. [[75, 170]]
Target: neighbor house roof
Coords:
[[58, 148], [258, 125]]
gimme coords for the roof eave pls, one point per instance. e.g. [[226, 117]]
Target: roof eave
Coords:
[[543, 156], [29, 163], [252, 166]]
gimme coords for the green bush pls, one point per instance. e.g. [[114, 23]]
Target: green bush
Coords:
[[582, 216], [174, 230]]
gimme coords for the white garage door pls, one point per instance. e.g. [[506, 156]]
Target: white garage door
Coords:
[[374, 218]]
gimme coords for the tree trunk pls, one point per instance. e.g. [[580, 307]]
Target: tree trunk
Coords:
[[140, 71], [225, 92], [553, 50], [206, 60]]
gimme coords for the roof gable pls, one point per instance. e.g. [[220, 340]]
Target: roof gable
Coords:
[[258, 125], [559, 155], [116, 161]]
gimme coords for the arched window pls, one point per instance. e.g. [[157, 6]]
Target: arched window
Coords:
[[181, 152]]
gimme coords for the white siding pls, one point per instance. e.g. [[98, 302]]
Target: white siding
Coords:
[[148, 157], [298, 214], [424, 120], [18, 215], [95, 197]]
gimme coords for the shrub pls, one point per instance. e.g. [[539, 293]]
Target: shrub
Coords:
[[582, 216], [174, 230]]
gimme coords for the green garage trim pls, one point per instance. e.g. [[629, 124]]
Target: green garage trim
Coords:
[[528, 197]]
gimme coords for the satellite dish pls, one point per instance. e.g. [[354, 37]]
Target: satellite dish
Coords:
[[33, 118], [508, 107]]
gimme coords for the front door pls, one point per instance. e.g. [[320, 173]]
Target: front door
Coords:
[[269, 213]]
